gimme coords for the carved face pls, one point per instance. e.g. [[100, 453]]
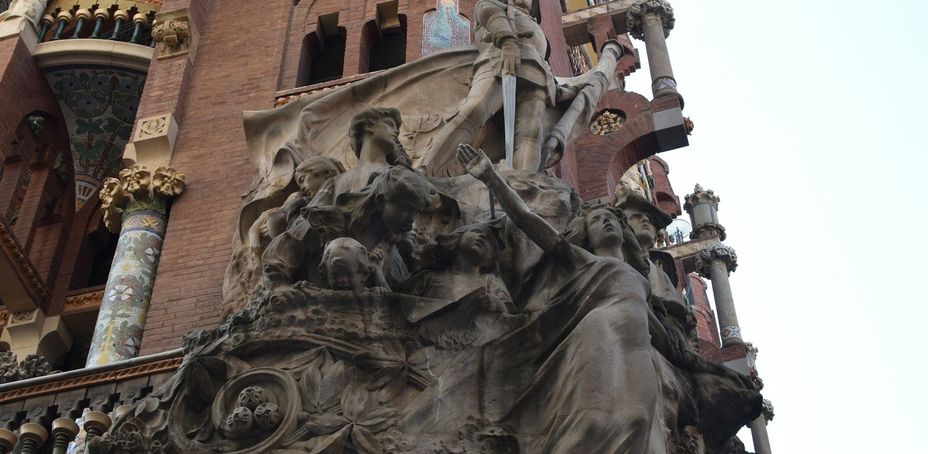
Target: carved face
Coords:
[[476, 244], [644, 228], [603, 229], [399, 213], [383, 133], [311, 178], [346, 264]]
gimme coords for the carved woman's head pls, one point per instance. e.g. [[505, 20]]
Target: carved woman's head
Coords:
[[476, 244], [394, 198], [602, 228], [312, 173]]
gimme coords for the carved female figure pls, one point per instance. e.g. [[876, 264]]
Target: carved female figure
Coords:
[[578, 376], [385, 208]]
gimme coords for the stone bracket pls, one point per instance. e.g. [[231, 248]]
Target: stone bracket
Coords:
[[32, 332], [153, 141]]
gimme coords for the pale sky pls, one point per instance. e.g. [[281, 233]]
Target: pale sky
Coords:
[[809, 121]]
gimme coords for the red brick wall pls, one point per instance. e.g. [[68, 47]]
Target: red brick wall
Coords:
[[235, 69]]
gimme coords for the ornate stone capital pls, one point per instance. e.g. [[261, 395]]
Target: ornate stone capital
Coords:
[[139, 187], [173, 30], [700, 196], [638, 11], [715, 252], [767, 410]]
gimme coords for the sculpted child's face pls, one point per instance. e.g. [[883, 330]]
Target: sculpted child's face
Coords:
[[346, 264]]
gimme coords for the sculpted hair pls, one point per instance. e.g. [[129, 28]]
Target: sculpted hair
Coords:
[[363, 120], [446, 247], [576, 234], [317, 161], [396, 184]]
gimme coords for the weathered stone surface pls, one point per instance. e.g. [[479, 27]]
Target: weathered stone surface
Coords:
[[394, 290]]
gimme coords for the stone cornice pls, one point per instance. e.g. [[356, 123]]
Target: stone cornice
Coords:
[[101, 52], [88, 380]]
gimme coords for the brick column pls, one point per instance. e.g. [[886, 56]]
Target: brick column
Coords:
[[137, 202], [651, 21], [715, 263]]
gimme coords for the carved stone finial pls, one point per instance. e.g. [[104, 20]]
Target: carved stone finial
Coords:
[[703, 206], [659, 8], [174, 33], [701, 195], [767, 410], [716, 252]]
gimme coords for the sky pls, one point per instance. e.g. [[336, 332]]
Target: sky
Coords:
[[810, 127]]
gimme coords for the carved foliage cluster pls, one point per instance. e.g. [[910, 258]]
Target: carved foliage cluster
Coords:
[[31, 367], [138, 185], [659, 8], [720, 252]]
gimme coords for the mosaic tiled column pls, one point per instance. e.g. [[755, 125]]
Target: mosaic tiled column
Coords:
[[136, 203], [715, 263]]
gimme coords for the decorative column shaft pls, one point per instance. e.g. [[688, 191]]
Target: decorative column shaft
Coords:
[[652, 21], [118, 332], [716, 263]]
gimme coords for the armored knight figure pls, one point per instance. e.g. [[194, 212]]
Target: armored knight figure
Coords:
[[510, 42]]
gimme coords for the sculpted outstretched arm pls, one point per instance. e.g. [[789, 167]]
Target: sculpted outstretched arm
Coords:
[[479, 166]]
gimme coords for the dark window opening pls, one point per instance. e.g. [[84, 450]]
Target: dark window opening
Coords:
[[323, 55], [386, 47]]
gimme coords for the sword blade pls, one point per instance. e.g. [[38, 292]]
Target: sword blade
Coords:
[[509, 115]]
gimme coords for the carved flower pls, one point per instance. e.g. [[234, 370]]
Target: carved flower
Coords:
[[136, 179], [169, 182], [341, 414], [397, 369], [361, 417]]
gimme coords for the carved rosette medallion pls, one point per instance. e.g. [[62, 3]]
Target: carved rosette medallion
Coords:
[[658, 8], [720, 252]]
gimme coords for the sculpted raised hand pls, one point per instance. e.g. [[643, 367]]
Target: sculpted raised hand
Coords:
[[475, 162]]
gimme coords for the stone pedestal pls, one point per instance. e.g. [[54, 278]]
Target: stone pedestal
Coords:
[[145, 196]]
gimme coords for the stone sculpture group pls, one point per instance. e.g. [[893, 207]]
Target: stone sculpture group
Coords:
[[394, 290]]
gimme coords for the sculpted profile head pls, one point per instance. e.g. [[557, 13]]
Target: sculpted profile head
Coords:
[[380, 128], [644, 218], [312, 173]]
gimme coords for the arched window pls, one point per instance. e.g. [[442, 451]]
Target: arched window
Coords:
[[383, 41], [323, 56]]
